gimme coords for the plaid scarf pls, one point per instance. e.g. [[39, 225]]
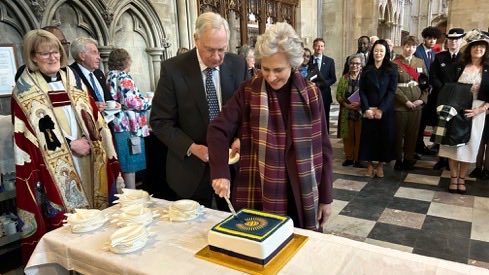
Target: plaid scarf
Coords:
[[263, 172]]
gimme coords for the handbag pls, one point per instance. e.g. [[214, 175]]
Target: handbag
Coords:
[[135, 145], [456, 130]]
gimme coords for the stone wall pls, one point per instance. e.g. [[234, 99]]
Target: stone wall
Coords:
[[152, 30], [468, 14], [146, 28]]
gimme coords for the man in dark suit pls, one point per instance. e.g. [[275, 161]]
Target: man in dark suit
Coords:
[[326, 76], [425, 51], [185, 102], [87, 62], [443, 70]]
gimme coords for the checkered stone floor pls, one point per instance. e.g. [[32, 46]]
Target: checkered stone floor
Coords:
[[410, 211]]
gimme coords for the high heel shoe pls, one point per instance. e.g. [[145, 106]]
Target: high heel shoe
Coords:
[[453, 187], [461, 186], [380, 171], [370, 171]]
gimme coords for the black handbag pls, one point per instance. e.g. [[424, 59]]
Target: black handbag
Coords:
[[458, 96]]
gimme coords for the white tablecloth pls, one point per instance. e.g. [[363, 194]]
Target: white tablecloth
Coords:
[[7, 164], [172, 252]]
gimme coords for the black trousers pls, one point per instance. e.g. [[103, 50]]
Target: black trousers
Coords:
[[155, 177]]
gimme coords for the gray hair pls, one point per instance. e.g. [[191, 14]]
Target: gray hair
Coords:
[[244, 50], [280, 38], [359, 56], [80, 45], [210, 20]]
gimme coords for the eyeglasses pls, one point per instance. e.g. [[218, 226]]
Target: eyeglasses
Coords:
[[64, 42], [355, 63], [46, 55]]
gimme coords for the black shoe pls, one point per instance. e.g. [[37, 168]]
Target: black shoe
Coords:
[[409, 164], [476, 173], [398, 166], [427, 152], [442, 163], [358, 164], [417, 156], [347, 162], [434, 147], [484, 174]]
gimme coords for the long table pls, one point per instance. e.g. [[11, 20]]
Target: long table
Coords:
[[173, 248]]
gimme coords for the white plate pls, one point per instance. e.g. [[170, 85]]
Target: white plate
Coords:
[[128, 249], [233, 160], [82, 228], [82, 216], [185, 205], [128, 232]]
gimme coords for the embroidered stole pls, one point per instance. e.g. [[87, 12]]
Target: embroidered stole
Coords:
[[65, 112]]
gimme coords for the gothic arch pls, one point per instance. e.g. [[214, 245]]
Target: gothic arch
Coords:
[[91, 10], [21, 18], [381, 13], [388, 12], [387, 19], [152, 29], [146, 23]]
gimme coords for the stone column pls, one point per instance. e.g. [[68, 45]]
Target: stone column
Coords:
[[155, 66], [104, 55], [183, 28]]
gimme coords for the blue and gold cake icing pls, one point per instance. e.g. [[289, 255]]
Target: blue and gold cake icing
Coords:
[[251, 224]]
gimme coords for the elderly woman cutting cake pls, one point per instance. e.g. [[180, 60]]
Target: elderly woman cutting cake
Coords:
[[286, 155]]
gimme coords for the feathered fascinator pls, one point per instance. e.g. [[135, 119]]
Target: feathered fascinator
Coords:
[[475, 35]]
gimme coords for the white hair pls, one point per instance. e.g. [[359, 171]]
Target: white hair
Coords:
[[210, 20], [79, 45], [280, 38]]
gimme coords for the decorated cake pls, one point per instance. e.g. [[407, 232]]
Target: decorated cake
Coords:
[[253, 235]]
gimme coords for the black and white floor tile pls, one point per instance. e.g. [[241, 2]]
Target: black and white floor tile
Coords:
[[410, 211]]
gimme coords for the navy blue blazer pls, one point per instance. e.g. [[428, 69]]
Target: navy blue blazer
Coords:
[[421, 53], [325, 78], [378, 88], [443, 70]]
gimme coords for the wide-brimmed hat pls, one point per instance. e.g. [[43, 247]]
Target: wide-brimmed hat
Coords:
[[474, 36], [455, 33]]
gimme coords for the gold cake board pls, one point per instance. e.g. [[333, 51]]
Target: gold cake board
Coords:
[[272, 267]]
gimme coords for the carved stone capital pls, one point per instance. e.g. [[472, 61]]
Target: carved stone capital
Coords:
[[38, 8]]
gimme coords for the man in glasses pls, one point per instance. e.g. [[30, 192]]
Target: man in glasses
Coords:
[[191, 91], [61, 37]]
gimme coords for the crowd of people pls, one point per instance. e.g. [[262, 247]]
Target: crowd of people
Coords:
[[78, 127]]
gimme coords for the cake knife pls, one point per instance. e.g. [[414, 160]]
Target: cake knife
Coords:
[[231, 208]]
